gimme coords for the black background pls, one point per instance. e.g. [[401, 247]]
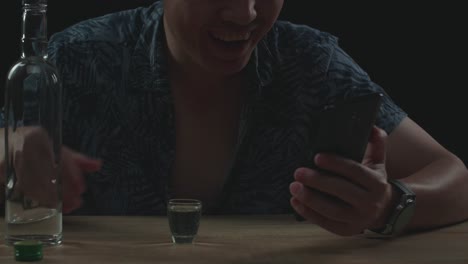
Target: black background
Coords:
[[415, 52]]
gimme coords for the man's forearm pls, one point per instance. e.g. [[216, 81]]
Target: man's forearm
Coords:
[[441, 193]]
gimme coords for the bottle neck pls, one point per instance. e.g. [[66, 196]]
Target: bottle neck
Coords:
[[34, 31]]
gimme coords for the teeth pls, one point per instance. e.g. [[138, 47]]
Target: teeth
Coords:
[[229, 36]]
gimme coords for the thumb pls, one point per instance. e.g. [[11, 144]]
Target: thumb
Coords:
[[376, 148]]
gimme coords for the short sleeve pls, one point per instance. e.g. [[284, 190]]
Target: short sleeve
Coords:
[[346, 79]]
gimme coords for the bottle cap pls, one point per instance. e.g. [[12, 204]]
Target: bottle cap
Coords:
[[28, 250]]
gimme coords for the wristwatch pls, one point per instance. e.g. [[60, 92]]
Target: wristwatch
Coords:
[[401, 214]]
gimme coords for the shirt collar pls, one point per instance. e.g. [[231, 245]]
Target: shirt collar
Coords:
[[148, 63], [260, 68]]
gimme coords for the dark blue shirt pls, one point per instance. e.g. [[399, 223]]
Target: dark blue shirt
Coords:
[[118, 107]]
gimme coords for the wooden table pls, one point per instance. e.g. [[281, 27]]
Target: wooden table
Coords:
[[242, 239]]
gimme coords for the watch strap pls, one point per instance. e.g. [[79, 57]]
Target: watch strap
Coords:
[[407, 198]]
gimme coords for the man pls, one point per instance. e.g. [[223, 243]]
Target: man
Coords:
[[215, 100]]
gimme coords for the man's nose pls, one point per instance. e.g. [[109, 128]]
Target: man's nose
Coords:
[[241, 12]]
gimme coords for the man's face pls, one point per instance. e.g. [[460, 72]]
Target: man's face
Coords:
[[217, 36]]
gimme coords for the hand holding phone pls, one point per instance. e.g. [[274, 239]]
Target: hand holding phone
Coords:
[[344, 129]]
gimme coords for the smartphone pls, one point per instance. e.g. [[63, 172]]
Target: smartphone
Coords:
[[344, 128]]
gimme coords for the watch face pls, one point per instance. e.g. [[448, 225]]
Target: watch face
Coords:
[[404, 218]]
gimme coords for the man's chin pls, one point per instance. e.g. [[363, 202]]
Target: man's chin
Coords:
[[228, 67]]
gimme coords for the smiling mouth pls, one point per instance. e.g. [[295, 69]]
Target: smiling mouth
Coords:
[[231, 36]]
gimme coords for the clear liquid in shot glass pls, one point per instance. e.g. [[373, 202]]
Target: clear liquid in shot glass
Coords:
[[184, 219]]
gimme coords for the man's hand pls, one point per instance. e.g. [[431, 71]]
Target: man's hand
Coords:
[[74, 167], [36, 170], [344, 196]]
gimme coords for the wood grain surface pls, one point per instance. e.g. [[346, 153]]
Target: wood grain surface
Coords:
[[242, 239]]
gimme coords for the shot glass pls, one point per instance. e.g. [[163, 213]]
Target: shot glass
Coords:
[[184, 219]]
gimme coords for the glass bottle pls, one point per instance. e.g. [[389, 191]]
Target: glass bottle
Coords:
[[32, 133]]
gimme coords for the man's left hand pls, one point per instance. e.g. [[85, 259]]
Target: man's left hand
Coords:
[[345, 197]]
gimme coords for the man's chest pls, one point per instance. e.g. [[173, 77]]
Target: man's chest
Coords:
[[249, 158], [205, 146]]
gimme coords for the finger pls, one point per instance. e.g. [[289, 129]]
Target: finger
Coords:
[[73, 179], [74, 167], [71, 205], [40, 168], [375, 152], [349, 169], [36, 177], [28, 188], [325, 205], [335, 227], [88, 165], [85, 163], [15, 189], [333, 185], [73, 185]]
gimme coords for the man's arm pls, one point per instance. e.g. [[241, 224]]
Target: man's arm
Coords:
[[33, 159], [438, 177]]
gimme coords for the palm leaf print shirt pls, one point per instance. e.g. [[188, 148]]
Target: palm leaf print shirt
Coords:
[[118, 107]]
